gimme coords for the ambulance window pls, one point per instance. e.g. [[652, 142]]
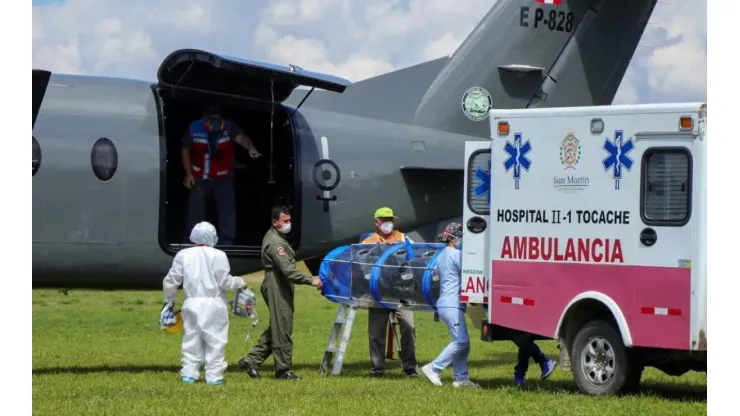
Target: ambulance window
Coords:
[[666, 186], [479, 182]]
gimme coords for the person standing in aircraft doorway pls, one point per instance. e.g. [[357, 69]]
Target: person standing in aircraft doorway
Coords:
[[208, 158], [378, 318]]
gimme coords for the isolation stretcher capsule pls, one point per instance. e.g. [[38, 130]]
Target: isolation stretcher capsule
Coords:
[[377, 275]]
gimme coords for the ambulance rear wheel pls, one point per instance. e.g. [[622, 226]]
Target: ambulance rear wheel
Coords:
[[602, 365]]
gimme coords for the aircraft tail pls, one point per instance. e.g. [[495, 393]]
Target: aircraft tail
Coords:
[[532, 53], [378, 97]]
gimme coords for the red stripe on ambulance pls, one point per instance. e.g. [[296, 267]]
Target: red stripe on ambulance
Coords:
[[517, 301], [550, 1], [647, 310], [589, 250], [465, 298]]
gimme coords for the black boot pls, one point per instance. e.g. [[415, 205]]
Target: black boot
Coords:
[[288, 375], [250, 370]]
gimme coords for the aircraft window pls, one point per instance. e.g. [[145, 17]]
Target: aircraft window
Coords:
[[36, 156], [479, 182], [666, 186], [104, 159]]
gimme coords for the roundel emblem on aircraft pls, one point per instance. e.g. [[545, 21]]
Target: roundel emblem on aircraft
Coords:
[[104, 159], [326, 175], [36, 157], [475, 103]]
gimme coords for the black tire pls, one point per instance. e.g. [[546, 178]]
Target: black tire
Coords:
[[620, 369]]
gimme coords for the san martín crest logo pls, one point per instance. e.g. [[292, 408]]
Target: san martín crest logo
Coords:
[[570, 155], [570, 151]]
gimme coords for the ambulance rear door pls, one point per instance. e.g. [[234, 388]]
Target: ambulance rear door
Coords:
[[476, 216], [663, 223]]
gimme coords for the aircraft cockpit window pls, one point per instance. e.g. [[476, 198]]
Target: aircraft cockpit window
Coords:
[[36, 156], [104, 159]]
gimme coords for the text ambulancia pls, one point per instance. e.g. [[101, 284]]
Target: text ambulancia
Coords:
[[588, 225]]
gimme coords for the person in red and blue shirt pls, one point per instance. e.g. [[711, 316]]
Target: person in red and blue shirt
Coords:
[[208, 149]]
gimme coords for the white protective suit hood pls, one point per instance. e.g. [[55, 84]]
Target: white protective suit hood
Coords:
[[204, 233]]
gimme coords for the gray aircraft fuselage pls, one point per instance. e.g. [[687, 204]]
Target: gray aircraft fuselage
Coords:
[[107, 194]]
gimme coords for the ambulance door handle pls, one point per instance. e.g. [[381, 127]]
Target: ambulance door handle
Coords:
[[648, 237]]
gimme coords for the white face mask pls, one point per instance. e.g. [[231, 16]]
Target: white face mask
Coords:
[[386, 227], [285, 228]]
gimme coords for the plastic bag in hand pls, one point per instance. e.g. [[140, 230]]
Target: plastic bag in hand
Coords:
[[167, 315], [245, 303]]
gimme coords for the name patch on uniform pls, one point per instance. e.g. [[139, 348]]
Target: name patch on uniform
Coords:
[[280, 251]]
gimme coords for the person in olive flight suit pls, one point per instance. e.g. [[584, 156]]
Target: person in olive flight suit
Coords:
[[281, 274]]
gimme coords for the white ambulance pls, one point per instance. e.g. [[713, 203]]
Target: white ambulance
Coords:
[[587, 225]]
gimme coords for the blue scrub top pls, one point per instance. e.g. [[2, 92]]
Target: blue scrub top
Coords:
[[450, 269]]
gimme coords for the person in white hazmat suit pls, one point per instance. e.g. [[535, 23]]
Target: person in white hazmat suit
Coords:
[[204, 274]]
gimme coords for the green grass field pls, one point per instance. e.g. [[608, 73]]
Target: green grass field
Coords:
[[103, 353]]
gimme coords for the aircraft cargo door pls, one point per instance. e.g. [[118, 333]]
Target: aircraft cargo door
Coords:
[[476, 217]]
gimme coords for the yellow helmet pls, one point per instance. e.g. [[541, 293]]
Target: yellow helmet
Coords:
[[177, 327]]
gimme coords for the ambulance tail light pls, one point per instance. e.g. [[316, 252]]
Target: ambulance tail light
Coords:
[[686, 123], [503, 128]]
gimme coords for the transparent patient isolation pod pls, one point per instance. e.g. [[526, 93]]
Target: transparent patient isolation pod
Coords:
[[378, 275]]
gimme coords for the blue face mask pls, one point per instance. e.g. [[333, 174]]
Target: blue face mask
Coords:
[[458, 245]]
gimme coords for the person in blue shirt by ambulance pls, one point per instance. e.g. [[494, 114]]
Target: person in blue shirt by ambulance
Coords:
[[451, 312]]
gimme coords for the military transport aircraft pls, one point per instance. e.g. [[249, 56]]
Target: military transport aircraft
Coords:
[[108, 199]]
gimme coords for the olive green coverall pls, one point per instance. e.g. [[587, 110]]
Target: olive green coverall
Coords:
[[281, 274]]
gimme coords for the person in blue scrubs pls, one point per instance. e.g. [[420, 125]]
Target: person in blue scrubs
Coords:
[[451, 312]]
